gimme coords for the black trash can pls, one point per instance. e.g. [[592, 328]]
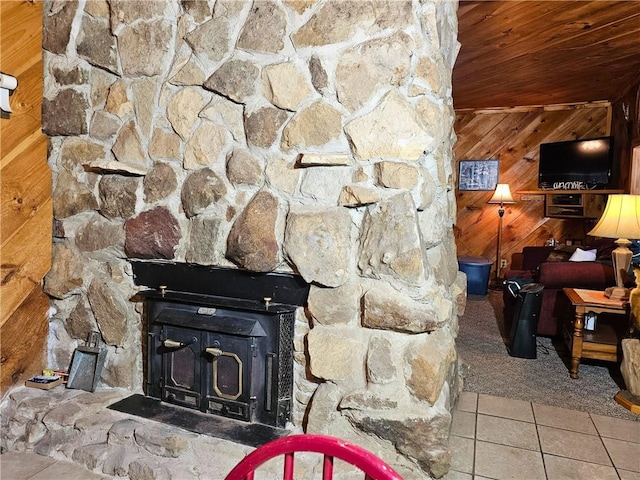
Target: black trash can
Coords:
[[522, 340]]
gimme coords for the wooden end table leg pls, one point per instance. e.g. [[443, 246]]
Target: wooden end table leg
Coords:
[[576, 344]]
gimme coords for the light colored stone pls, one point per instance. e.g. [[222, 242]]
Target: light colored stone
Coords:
[[337, 22], [118, 102], [204, 234], [244, 168], [77, 152], [225, 112], [114, 166], [164, 144], [205, 146], [109, 310], [308, 159], [144, 47], [71, 196], [128, 11], [144, 93], [100, 83], [341, 305], [264, 28], [630, 366], [385, 308], [373, 135], [324, 184], [382, 364], [211, 39], [285, 85], [282, 175], [380, 63], [97, 8], [428, 360], [299, 6], [104, 125], [253, 241], [317, 242], [336, 351], [390, 243], [397, 175], [128, 146], [183, 110], [190, 74], [358, 196], [66, 274], [161, 440], [315, 126], [235, 79]]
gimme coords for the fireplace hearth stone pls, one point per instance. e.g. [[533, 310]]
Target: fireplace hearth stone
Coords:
[[250, 434]]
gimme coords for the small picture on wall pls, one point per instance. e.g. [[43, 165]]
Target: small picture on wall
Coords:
[[478, 174]]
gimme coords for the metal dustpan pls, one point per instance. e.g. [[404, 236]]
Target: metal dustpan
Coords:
[[86, 364]]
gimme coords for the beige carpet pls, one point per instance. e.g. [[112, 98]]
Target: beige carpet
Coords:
[[490, 369]]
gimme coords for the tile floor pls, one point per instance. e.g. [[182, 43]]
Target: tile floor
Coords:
[[491, 438], [499, 438]]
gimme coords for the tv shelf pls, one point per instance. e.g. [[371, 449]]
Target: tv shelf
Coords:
[[573, 203]]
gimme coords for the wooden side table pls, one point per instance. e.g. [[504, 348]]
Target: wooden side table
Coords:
[[603, 343]]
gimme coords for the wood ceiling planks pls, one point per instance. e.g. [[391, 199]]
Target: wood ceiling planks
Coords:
[[516, 53]]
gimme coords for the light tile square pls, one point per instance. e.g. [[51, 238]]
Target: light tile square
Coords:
[[564, 418], [462, 454], [626, 475], [463, 424], [467, 402], [22, 466], [625, 455], [505, 407], [505, 431], [501, 462], [617, 428], [67, 471], [579, 446], [453, 475], [560, 468]]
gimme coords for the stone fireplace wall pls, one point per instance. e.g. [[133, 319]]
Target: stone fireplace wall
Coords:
[[312, 136]]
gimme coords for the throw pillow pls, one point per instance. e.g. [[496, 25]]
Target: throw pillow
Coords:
[[583, 255], [561, 253]]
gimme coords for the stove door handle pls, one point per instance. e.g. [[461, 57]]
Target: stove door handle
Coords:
[[172, 343], [216, 352]]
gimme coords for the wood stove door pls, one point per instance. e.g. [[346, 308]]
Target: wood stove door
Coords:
[[227, 375], [181, 366]]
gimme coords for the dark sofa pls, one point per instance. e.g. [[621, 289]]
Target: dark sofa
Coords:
[[556, 275]]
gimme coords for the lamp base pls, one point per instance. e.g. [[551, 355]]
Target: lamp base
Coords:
[[617, 293], [629, 401]]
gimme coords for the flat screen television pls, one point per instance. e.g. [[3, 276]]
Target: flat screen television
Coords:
[[576, 164]]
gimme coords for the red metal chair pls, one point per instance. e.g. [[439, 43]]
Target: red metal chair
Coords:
[[372, 466]]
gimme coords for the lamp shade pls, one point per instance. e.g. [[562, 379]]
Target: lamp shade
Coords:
[[502, 194], [621, 218]]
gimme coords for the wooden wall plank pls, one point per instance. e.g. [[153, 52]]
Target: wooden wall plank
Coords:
[[26, 187], [26, 258], [24, 340]]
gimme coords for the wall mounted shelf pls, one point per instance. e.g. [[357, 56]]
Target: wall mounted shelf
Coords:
[[572, 203]]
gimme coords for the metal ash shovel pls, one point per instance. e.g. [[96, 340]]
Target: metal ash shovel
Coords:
[[86, 364]]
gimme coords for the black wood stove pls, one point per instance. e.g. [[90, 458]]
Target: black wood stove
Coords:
[[220, 341]]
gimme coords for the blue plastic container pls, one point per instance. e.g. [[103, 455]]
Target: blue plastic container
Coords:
[[478, 270]]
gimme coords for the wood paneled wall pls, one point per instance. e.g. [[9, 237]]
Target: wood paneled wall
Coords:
[[513, 136], [26, 217]]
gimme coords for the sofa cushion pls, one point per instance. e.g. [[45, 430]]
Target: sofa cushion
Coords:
[[583, 255], [561, 253]]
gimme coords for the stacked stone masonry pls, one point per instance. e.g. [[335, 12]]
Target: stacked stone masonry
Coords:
[[307, 136]]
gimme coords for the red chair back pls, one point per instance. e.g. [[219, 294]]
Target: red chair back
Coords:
[[372, 466]]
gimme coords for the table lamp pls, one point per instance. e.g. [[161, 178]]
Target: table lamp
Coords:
[[620, 220], [501, 195]]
